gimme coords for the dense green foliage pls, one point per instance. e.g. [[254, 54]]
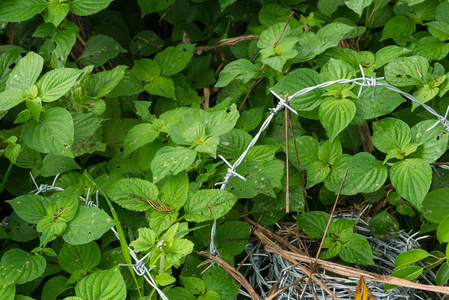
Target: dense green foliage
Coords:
[[132, 102]]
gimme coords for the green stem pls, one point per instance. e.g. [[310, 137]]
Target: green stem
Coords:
[[161, 264], [5, 178], [179, 219]]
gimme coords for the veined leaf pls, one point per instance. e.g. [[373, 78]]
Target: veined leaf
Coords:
[[150, 6], [26, 72], [20, 10], [87, 7], [55, 83], [100, 84], [435, 206], [134, 194], [30, 208], [93, 286], [409, 257], [390, 133], [173, 60], [208, 205], [138, 136], [145, 241], [10, 98], [335, 115], [241, 69], [99, 49], [399, 26], [408, 273], [19, 267], [171, 160], [404, 71]]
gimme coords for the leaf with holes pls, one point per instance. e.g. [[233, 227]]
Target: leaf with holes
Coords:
[[173, 60], [89, 224], [404, 71], [145, 241], [171, 160], [411, 178], [433, 142], [30, 208], [79, 257], [19, 267], [241, 69], [26, 72], [134, 194], [99, 49], [138, 136], [93, 286], [207, 205], [54, 133], [50, 229]]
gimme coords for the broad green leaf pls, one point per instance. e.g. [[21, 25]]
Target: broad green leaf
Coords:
[[164, 279], [93, 286], [171, 160], [443, 230], [89, 224], [308, 148], [442, 274], [231, 236], [20, 10], [233, 143], [357, 250], [179, 293], [19, 267], [161, 86], [336, 69], [220, 122], [87, 7], [269, 36], [134, 194], [431, 48], [297, 80], [21, 231], [79, 257], [207, 205], [54, 287], [30, 208], [390, 133], [408, 273], [329, 151], [328, 7], [226, 3], [388, 53], [12, 151], [435, 206], [313, 223], [161, 220], [7, 60], [439, 29], [434, 142], [262, 153], [99, 49], [55, 83], [53, 165], [272, 13], [210, 295], [150, 6], [218, 280], [85, 125], [335, 115], [384, 102], [100, 84], [173, 60], [250, 119], [53, 133], [146, 69], [129, 85], [56, 12], [383, 225], [317, 172], [26, 72], [175, 191], [64, 204], [358, 5], [138, 136], [399, 26], [145, 241], [193, 284], [404, 71], [64, 40], [411, 178], [50, 229], [409, 257], [241, 69], [10, 98]]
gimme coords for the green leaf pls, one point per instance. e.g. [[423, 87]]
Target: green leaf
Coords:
[[207, 205], [442, 274], [133, 193], [145, 241], [26, 72], [99, 49], [408, 273], [409, 257], [434, 142], [431, 48], [358, 5], [55, 83], [435, 206], [328, 7], [390, 133], [64, 40], [10, 98], [335, 115], [30, 208], [53, 133], [161, 220], [171, 160], [404, 71], [383, 225], [64, 204], [241, 69], [232, 236], [79, 257], [50, 229], [388, 53], [161, 86], [439, 29], [175, 190], [100, 84], [89, 224], [250, 119], [193, 284], [411, 178], [56, 12], [443, 230], [19, 267], [12, 151], [53, 165], [87, 7], [179, 293], [220, 122], [297, 80], [385, 101], [313, 223], [54, 287], [329, 151], [93, 286], [397, 27], [317, 172], [174, 59], [233, 143], [226, 3], [308, 148], [218, 280], [129, 85], [138, 136], [164, 279], [150, 6], [210, 295], [357, 250], [146, 69], [20, 10]]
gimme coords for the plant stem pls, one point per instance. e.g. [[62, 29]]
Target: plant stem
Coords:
[[5, 178]]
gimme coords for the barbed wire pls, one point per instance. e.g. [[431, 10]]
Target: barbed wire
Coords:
[[139, 266]]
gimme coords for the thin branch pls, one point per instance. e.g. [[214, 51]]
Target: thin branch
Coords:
[[287, 189]]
